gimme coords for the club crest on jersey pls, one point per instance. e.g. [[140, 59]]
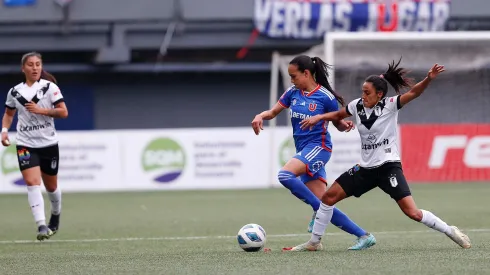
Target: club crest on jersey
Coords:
[[40, 94], [312, 107], [378, 111], [393, 181]]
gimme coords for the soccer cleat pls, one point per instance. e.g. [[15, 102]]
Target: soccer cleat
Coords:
[[305, 247], [43, 233], [312, 222], [54, 223], [459, 237], [364, 242]]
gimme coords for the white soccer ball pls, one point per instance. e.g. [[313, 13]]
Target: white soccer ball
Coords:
[[251, 237]]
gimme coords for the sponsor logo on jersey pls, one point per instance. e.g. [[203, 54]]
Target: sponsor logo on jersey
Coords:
[[298, 115], [375, 145], [37, 127]]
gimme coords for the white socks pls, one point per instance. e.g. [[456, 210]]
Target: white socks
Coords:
[[55, 198], [322, 219], [36, 201], [434, 222]]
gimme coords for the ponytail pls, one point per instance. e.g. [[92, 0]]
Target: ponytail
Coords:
[[47, 76], [397, 77], [321, 77]]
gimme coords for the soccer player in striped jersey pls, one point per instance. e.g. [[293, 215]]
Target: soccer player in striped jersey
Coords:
[[37, 101], [376, 118], [310, 95]]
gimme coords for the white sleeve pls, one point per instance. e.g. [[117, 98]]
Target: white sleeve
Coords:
[[54, 94], [393, 103], [351, 107], [10, 102]]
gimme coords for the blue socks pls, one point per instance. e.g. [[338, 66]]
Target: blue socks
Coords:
[[299, 190], [343, 222]]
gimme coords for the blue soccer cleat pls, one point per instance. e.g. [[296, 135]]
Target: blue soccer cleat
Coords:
[[364, 242]]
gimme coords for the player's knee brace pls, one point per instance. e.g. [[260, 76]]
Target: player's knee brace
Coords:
[[285, 177]]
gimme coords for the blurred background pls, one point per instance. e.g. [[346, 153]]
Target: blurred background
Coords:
[[185, 64], [161, 94]]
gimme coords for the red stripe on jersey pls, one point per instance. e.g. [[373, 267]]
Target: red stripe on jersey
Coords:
[[282, 104], [316, 89]]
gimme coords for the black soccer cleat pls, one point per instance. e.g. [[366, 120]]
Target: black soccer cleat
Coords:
[[43, 233], [54, 223]]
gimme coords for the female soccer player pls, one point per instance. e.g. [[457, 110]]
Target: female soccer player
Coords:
[[38, 101], [311, 95], [376, 119]]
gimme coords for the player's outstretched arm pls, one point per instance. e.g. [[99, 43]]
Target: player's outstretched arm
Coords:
[[258, 122], [330, 116], [420, 87]]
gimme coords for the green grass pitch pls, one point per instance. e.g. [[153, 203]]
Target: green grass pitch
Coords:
[[194, 232]]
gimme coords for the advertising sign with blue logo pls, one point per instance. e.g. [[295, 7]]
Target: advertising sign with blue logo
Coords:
[[16, 3], [311, 19]]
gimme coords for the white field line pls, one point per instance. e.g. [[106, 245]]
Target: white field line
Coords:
[[394, 233]]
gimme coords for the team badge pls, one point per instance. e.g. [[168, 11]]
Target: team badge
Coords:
[[393, 181], [312, 107]]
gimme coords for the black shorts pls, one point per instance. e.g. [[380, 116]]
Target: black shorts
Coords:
[[388, 177], [47, 158]]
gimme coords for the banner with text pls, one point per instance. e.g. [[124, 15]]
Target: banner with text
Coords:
[[196, 159], [445, 153], [309, 19], [89, 161]]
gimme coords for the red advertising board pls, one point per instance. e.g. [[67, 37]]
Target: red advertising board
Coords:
[[446, 152]]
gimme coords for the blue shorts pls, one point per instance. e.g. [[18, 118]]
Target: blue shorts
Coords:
[[315, 157]]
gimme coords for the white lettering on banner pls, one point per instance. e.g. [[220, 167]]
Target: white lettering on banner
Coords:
[[343, 13], [407, 15], [163, 157], [312, 19], [440, 16], [476, 154]]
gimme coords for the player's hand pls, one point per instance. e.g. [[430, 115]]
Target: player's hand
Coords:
[[34, 108], [5, 139], [257, 124], [310, 122], [435, 71], [347, 125]]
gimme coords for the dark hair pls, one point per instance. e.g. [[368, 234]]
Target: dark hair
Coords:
[[318, 69], [44, 74], [395, 76]]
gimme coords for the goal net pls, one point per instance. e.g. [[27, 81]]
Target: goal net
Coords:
[[446, 133]]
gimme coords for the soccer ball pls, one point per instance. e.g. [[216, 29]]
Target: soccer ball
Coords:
[[251, 237]]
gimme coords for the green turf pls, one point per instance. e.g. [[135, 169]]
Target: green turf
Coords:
[[97, 227]]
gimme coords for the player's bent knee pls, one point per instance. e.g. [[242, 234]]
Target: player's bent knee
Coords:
[[330, 197], [284, 176], [413, 213]]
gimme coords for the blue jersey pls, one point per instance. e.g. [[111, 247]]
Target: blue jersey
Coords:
[[303, 105]]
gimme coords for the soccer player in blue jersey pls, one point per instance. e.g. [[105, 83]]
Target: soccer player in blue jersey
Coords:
[[310, 95]]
